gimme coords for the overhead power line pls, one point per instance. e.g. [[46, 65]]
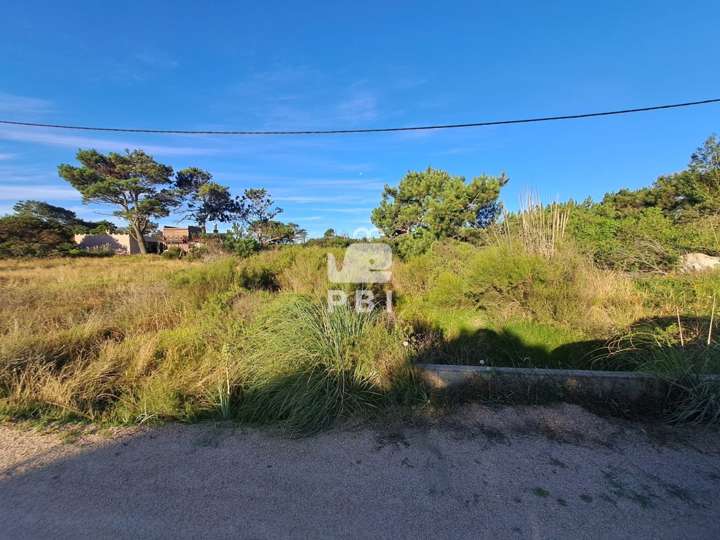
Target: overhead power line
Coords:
[[367, 130]]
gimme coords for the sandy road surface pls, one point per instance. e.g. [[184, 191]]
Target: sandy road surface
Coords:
[[552, 472]]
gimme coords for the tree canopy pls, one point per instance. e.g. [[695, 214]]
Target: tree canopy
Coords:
[[434, 204], [683, 196], [258, 206], [49, 213], [259, 212], [29, 236], [271, 232], [141, 188], [208, 200]]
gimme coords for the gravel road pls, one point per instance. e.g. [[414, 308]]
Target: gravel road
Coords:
[[514, 472]]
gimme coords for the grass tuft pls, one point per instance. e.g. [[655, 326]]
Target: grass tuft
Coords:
[[306, 366]]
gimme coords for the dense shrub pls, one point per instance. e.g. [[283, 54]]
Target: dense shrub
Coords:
[[504, 282], [137, 339], [172, 252], [25, 236], [646, 240], [197, 252], [435, 205], [241, 246]]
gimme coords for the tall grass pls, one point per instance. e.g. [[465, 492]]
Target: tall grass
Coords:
[[306, 366], [123, 339], [684, 352], [539, 229], [142, 339], [137, 340]]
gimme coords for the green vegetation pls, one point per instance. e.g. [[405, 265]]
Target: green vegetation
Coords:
[[140, 187], [432, 204], [211, 341], [206, 200], [647, 229], [39, 229], [306, 366], [137, 339], [239, 327], [29, 236], [57, 215]]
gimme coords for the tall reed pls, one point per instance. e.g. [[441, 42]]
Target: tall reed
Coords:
[[538, 228]]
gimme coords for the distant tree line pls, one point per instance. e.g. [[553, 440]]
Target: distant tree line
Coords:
[[40, 229], [141, 190], [648, 228], [642, 229]]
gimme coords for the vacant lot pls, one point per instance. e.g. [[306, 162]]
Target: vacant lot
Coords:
[[545, 472], [141, 339]]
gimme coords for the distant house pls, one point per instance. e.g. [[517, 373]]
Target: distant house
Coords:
[[121, 244], [181, 237]]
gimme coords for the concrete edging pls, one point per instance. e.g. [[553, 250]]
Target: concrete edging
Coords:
[[619, 386]]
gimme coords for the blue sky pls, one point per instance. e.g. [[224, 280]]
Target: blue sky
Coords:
[[319, 65]]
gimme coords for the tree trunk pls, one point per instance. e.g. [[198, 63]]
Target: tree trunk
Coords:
[[139, 238]]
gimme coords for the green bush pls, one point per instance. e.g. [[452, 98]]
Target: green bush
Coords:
[[412, 245], [26, 236], [79, 252], [197, 252], [645, 240], [173, 252], [690, 293], [504, 283], [682, 351], [241, 246]]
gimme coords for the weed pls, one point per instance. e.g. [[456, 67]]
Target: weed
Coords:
[[305, 366]]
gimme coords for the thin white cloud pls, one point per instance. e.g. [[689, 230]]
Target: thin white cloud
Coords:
[[56, 138], [157, 59], [261, 82], [23, 105], [348, 183], [372, 184], [140, 66], [19, 173], [299, 97], [362, 210], [52, 193], [6, 157], [408, 83], [361, 107], [304, 199]]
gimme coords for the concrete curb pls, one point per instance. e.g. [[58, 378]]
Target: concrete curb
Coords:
[[617, 386]]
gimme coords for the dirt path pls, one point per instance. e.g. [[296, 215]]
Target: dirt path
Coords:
[[555, 472]]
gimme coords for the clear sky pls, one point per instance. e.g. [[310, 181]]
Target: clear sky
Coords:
[[337, 64]]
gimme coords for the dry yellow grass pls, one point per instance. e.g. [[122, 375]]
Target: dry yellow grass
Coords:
[[80, 334], [133, 339]]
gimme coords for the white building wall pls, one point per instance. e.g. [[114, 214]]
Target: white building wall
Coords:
[[119, 243]]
